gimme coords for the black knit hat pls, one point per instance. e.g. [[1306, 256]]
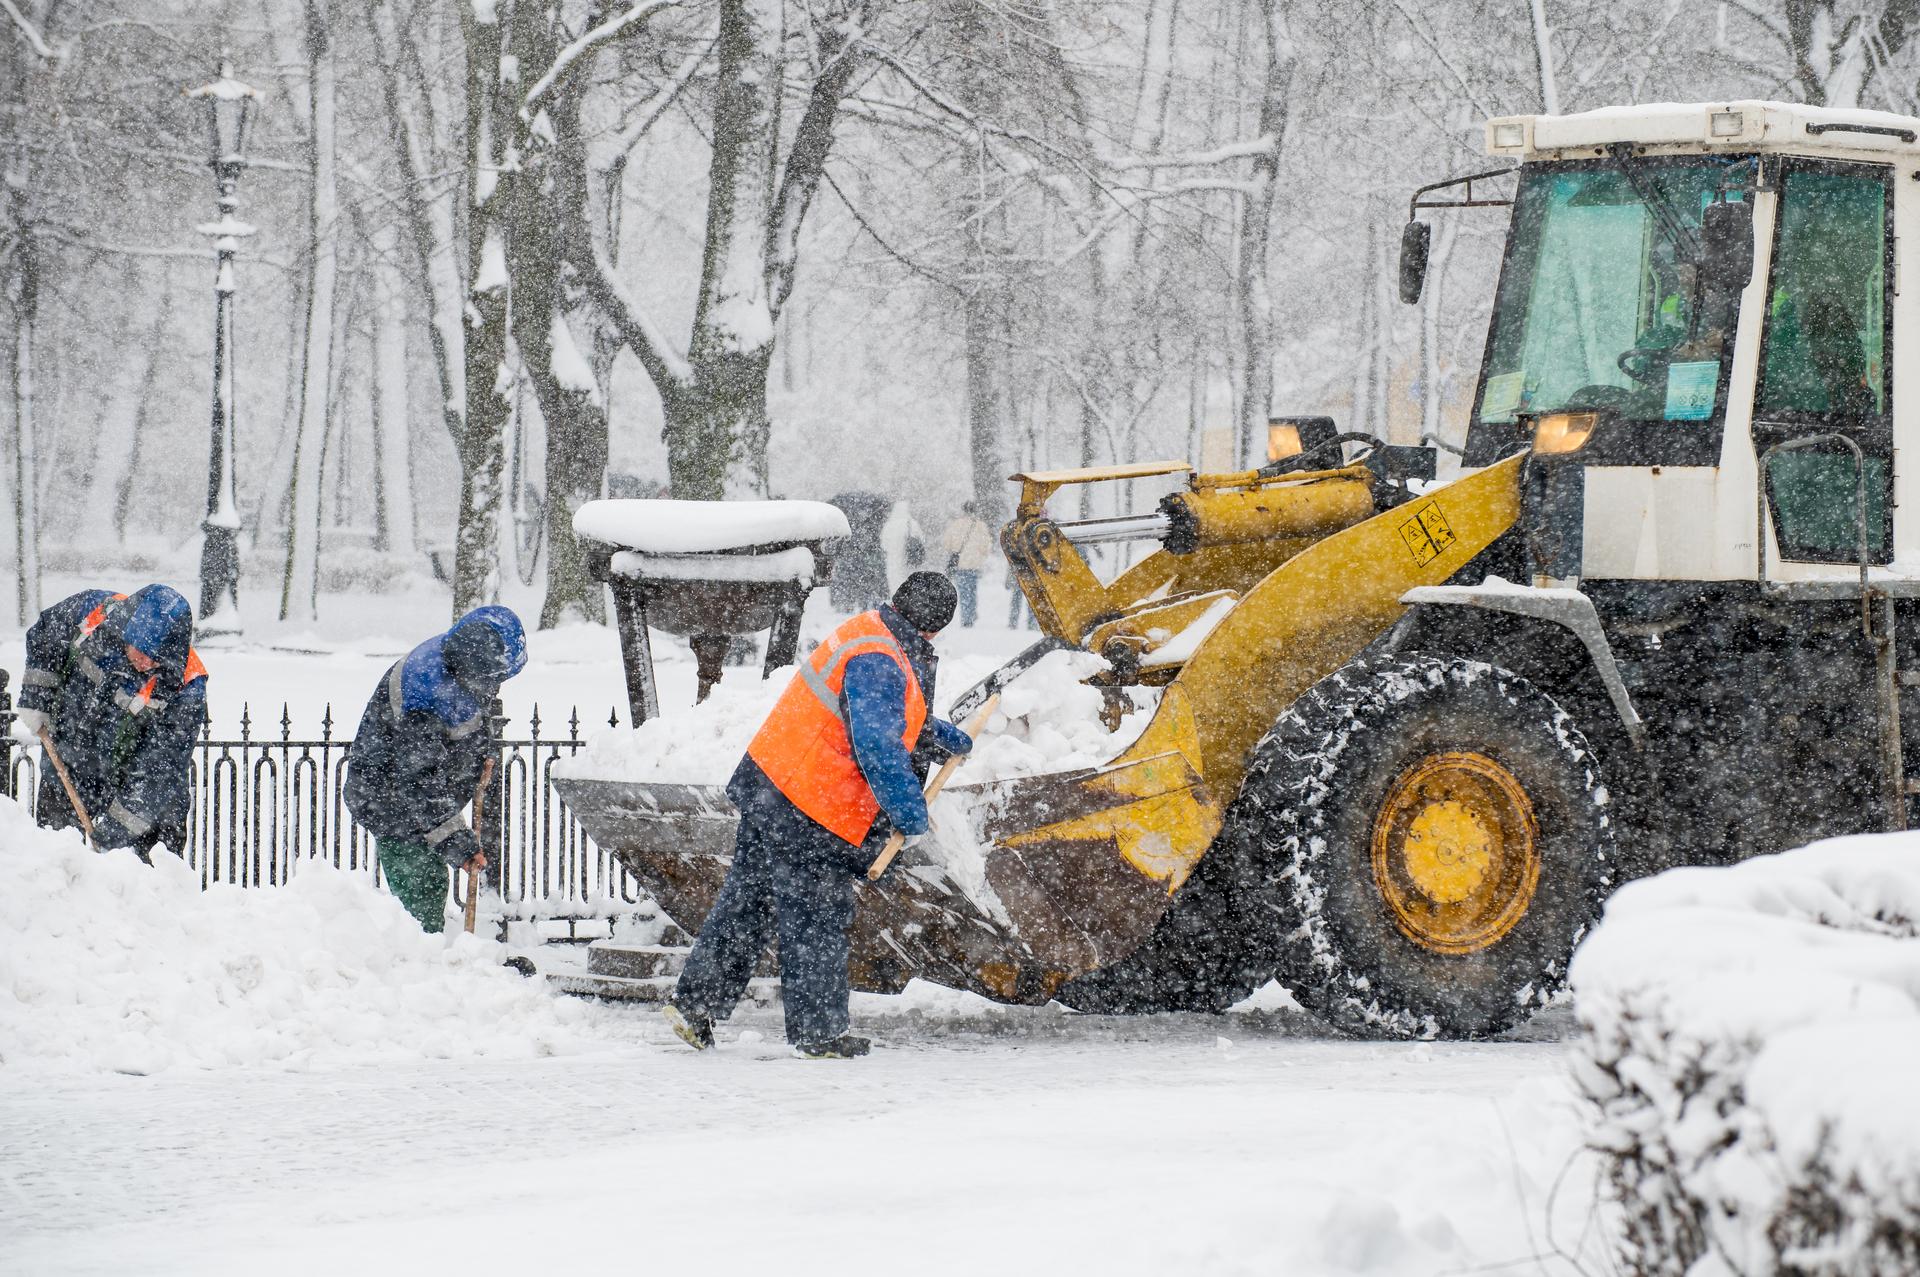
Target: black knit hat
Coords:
[[926, 601]]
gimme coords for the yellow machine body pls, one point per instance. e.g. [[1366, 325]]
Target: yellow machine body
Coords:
[[1301, 574]]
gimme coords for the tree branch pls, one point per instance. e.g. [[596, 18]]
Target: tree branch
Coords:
[[573, 56], [650, 111], [665, 365], [807, 158], [34, 38]]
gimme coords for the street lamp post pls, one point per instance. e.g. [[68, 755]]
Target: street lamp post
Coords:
[[229, 103]]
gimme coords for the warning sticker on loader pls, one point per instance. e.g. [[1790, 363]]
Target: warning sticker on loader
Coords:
[[1427, 533]]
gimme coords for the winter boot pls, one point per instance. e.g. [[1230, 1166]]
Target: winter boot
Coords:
[[844, 1047], [694, 1027]]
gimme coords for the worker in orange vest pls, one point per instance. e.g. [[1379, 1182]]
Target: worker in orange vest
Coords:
[[835, 752], [114, 682]]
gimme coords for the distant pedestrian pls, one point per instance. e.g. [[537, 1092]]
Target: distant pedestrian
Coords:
[[421, 749], [833, 754], [114, 681], [968, 545]]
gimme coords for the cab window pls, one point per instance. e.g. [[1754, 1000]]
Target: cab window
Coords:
[[1602, 305], [1823, 362]]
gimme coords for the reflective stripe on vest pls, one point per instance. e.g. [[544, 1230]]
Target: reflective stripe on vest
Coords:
[[804, 746]]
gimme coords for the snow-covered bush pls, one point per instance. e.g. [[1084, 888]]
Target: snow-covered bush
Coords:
[[110, 964], [1750, 1054]]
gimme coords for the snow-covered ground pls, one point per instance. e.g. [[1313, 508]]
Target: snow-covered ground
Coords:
[[1013, 1142]]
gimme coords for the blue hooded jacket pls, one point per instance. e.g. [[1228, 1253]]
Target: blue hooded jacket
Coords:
[[425, 738]]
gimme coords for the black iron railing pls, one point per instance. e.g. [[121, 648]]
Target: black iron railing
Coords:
[[262, 804]]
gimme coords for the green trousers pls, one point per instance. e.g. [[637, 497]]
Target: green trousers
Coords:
[[417, 875]]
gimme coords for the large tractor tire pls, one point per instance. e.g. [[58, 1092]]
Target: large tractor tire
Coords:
[[1431, 838], [1210, 949]]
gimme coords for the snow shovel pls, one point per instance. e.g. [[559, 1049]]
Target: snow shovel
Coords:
[[935, 785], [473, 875], [66, 781]]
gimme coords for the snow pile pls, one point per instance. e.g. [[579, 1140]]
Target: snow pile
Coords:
[[703, 527], [1748, 1045], [1047, 721], [697, 745], [110, 964]]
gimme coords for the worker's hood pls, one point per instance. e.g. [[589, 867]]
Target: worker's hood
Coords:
[[156, 622], [485, 647]]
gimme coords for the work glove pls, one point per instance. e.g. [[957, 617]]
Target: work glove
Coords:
[[459, 847], [109, 834], [947, 737], [29, 723]]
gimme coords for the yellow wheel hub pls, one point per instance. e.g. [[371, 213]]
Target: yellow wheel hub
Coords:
[[1456, 852]]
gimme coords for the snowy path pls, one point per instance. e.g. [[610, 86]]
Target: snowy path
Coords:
[[1013, 1142]]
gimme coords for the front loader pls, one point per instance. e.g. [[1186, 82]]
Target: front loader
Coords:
[[1409, 734]]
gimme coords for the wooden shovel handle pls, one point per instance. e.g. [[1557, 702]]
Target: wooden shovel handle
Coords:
[[473, 875], [938, 782], [66, 781]]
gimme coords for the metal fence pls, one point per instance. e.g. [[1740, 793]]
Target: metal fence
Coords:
[[262, 803]]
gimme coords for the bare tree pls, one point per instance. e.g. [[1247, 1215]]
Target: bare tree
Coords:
[[714, 390], [300, 584]]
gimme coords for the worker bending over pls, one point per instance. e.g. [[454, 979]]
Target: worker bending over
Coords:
[[114, 681], [833, 754], [421, 749]]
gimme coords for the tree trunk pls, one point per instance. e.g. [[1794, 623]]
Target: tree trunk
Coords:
[[430, 220], [300, 586], [116, 462], [393, 471], [26, 451], [1381, 351], [984, 444], [1432, 376], [1256, 220], [553, 172], [489, 379], [717, 430]]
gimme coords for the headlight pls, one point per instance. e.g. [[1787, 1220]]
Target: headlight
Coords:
[[1282, 441], [1508, 135], [1562, 432]]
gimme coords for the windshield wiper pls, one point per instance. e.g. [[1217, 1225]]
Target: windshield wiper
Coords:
[[1683, 239]]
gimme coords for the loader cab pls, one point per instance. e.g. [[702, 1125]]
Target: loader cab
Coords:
[[1635, 330]]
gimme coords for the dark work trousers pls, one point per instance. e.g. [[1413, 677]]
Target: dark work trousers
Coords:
[[791, 881]]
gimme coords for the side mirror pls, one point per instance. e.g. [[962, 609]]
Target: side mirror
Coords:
[[1726, 246], [1415, 240]]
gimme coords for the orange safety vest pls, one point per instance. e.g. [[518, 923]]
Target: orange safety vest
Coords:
[[142, 698], [804, 747]]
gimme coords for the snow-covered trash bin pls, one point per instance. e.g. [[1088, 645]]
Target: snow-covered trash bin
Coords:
[[707, 571], [1750, 1057]]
